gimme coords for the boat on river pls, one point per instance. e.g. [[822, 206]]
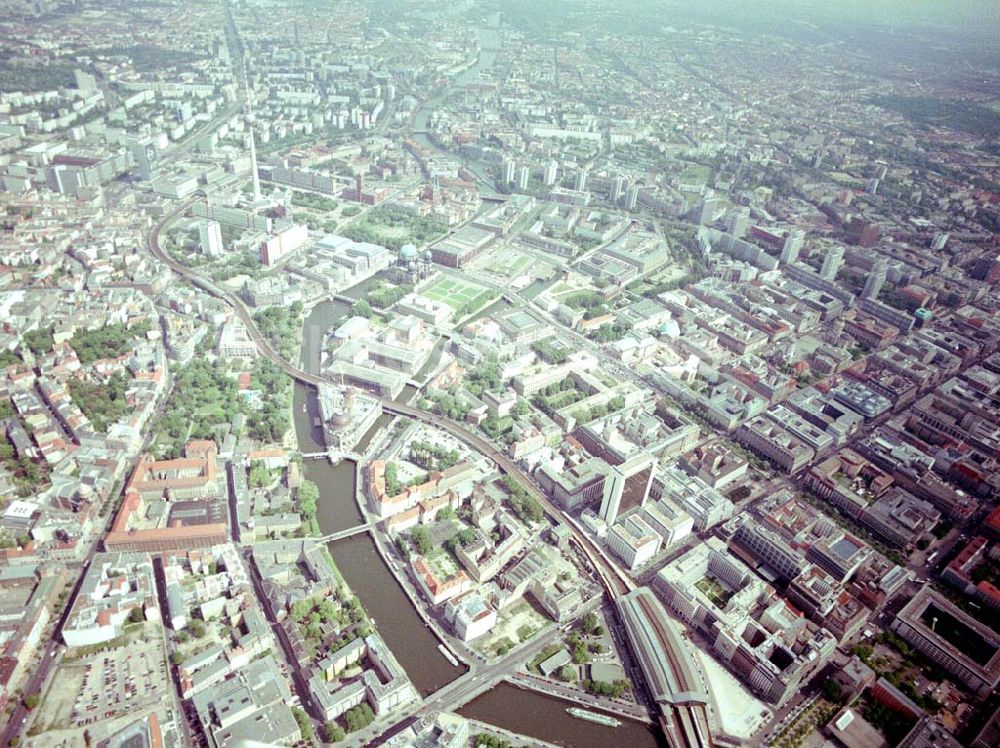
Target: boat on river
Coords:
[[601, 719], [447, 653]]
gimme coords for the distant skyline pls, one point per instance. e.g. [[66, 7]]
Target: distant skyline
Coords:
[[970, 14]]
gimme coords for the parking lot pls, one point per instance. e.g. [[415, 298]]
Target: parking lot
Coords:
[[104, 686]]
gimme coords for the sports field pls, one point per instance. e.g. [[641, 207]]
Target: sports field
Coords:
[[459, 295]]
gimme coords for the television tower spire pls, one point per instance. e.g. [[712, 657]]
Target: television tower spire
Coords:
[[257, 196]]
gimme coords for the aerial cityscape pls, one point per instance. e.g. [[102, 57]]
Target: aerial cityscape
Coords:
[[499, 373]]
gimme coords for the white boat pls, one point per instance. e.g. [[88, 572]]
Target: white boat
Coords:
[[447, 654], [601, 719]]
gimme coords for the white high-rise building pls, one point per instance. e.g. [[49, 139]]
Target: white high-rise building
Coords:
[[793, 243], [832, 263], [522, 178], [633, 197], [210, 238], [876, 279], [551, 172], [581, 180], [940, 240], [508, 171], [709, 205], [738, 221], [627, 486], [617, 188]]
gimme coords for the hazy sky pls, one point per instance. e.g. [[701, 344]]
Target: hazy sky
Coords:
[[903, 12]]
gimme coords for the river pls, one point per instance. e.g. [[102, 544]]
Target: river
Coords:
[[409, 639], [544, 717], [413, 644], [489, 46]]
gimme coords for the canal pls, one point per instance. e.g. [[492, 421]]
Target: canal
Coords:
[[544, 717]]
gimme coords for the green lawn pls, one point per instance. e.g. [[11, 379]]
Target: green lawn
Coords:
[[458, 294], [696, 174]]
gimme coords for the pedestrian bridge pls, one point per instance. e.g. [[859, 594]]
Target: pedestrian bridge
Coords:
[[348, 533], [333, 456]]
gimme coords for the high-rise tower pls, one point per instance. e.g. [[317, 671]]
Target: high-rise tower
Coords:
[[254, 173], [832, 263], [876, 280], [793, 243]]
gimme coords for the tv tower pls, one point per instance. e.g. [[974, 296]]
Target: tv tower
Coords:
[[257, 196]]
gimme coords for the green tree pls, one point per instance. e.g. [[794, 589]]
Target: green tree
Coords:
[[403, 547], [308, 500], [332, 732], [39, 341], [491, 741], [833, 691], [392, 484], [421, 538], [362, 308], [863, 652], [359, 717], [305, 724]]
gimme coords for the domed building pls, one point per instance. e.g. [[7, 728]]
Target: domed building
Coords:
[[410, 266], [408, 253]]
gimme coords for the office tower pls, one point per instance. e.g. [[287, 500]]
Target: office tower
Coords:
[[709, 205], [617, 188], [551, 170], [626, 486], [522, 178], [832, 263], [508, 171], [210, 238], [876, 279], [738, 221], [862, 233], [793, 243], [144, 155], [65, 180], [704, 245], [581, 180], [633, 197]]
